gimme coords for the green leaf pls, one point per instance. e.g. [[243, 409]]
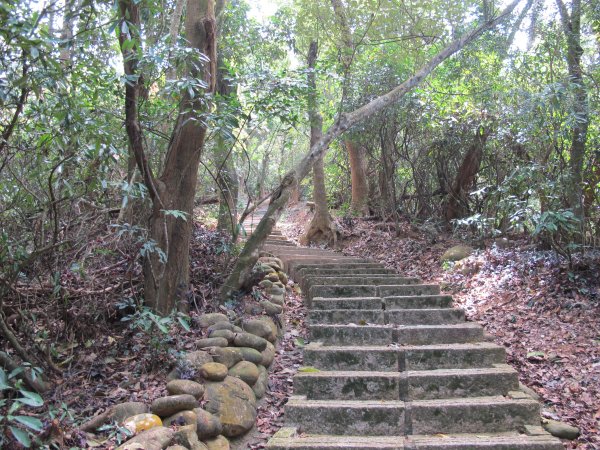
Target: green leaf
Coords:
[[30, 422], [175, 213], [183, 321], [31, 399], [3, 380], [21, 436], [299, 342], [34, 52]]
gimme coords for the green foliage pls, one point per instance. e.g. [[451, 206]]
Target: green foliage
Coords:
[[559, 229], [16, 398]]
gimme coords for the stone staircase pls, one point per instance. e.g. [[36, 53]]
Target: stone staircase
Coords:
[[392, 365]]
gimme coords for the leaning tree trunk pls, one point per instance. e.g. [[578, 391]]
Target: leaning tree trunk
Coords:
[[358, 176], [457, 205], [250, 253], [321, 226]]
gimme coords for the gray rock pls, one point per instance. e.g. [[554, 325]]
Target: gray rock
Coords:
[[213, 371], [560, 429], [218, 443], [250, 354], [212, 342], [187, 437], [197, 359], [208, 425], [167, 406], [180, 419], [268, 355], [178, 387], [260, 387], [122, 411], [234, 403], [271, 308], [206, 320], [155, 438], [276, 290], [227, 334], [245, 371], [227, 356], [257, 327], [250, 340], [265, 284], [278, 299], [221, 326], [457, 253]]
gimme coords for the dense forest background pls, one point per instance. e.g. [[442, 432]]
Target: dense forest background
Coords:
[[132, 129]]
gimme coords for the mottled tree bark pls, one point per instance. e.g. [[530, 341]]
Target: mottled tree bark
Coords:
[[358, 177]]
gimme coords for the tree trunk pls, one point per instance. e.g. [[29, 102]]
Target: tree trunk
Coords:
[[572, 29], [321, 226], [358, 176], [457, 205], [166, 253], [227, 180], [249, 255], [173, 34]]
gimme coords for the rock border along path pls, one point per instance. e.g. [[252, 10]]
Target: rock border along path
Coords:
[[392, 365]]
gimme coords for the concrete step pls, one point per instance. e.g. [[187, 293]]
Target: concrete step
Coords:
[[473, 415], [352, 335], [269, 243], [313, 280], [341, 290], [417, 301], [291, 261], [424, 316], [291, 440], [361, 303], [451, 356], [398, 317], [296, 266], [347, 358], [411, 358], [379, 271], [346, 316], [349, 385], [459, 383], [438, 334], [356, 334], [346, 417], [409, 386]]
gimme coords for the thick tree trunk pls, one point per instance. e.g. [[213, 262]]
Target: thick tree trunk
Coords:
[[457, 205], [166, 258], [572, 29], [321, 226], [343, 122], [358, 176]]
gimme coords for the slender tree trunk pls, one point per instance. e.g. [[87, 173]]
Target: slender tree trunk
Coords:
[[344, 121], [321, 226], [572, 29], [457, 205], [358, 176]]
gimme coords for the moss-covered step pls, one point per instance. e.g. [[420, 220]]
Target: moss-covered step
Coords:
[[285, 440], [346, 417], [438, 334], [320, 303], [417, 301], [341, 290], [352, 335], [348, 385], [456, 383], [450, 356], [473, 415], [359, 358], [424, 316], [346, 316]]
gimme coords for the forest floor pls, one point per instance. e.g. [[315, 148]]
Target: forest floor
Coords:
[[546, 315]]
